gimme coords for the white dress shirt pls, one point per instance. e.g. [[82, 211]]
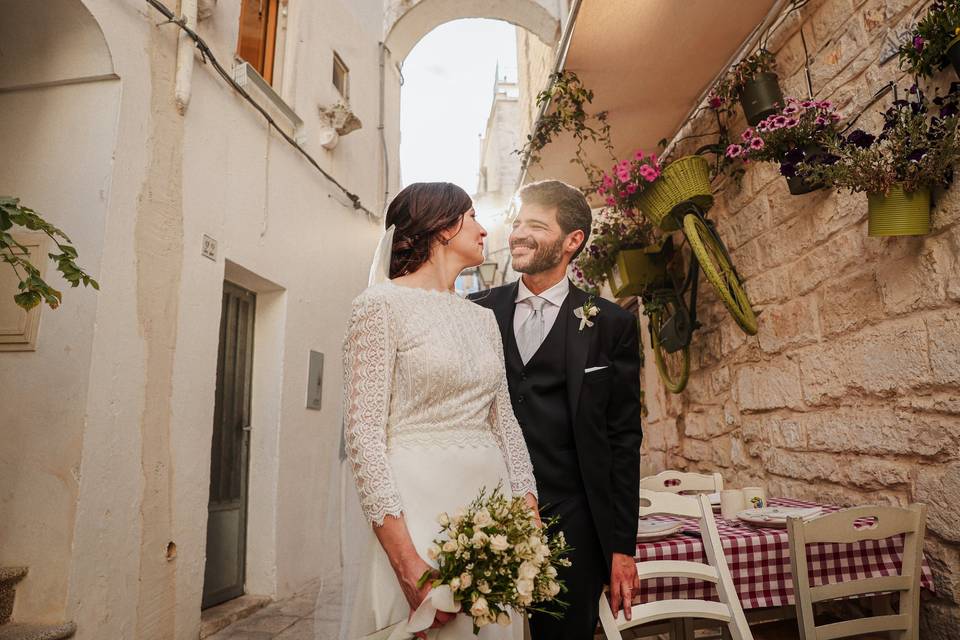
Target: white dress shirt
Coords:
[[554, 296]]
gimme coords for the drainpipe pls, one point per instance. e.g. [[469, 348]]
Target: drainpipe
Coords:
[[188, 16], [380, 126]]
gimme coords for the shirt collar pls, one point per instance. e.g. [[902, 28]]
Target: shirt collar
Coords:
[[555, 295]]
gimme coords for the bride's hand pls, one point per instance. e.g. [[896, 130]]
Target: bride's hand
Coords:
[[409, 577], [531, 501]]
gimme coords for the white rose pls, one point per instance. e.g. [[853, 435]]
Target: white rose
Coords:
[[499, 543], [525, 601], [528, 570], [503, 619], [553, 588], [443, 519], [479, 539], [458, 516], [525, 587], [433, 551], [479, 607], [450, 546], [534, 541], [465, 580], [455, 584], [483, 586], [482, 518], [551, 571]]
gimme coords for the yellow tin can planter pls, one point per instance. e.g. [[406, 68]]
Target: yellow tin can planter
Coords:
[[685, 180], [898, 213], [636, 269]]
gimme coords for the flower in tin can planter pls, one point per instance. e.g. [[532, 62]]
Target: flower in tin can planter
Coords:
[[924, 51]]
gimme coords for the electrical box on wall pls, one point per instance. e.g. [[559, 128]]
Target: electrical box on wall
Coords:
[[315, 381]]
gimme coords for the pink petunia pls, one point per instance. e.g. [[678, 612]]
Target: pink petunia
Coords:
[[806, 104], [624, 165], [601, 190], [757, 143], [791, 110], [638, 155], [791, 123], [648, 173], [631, 188], [779, 122], [746, 135], [734, 150], [624, 176], [821, 121], [607, 180], [610, 201]]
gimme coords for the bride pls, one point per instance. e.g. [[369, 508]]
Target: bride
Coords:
[[427, 414]]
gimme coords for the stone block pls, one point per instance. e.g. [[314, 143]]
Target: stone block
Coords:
[[948, 403], [787, 242], [875, 473], [850, 303], [747, 259], [943, 330], [939, 488], [946, 209], [838, 211], [939, 621], [878, 360], [828, 19], [720, 380], [785, 206], [769, 385], [792, 324], [748, 223], [769, 287], [918, 281], [790, 56], [705, 425], [763, 175], [804, 466], [838, 54], [874, 17], [737, 195], [828, 260], [879, 431], [944, 562]]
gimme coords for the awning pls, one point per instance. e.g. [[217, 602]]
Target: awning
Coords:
[[647, 62]]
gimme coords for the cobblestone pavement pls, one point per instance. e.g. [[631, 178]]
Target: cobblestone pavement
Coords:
[[309, 615]]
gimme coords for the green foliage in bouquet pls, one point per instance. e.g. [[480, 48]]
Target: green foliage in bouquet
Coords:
[[917, 148], [33, 288], [926, 49], [495, 557]]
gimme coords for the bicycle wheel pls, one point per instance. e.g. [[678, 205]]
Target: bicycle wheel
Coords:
[[673, 367], [716, 265]]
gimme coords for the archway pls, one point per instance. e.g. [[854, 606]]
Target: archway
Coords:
[[409, 20]]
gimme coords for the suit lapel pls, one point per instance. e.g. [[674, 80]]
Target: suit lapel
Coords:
[[503, 309], [578, 347]]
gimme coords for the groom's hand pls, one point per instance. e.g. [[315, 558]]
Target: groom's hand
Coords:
[[624, 584]]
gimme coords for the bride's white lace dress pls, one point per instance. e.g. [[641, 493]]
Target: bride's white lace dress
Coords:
[[428, 422]]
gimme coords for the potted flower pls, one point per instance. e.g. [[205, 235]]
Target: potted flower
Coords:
[[753, 81], [935, 40], [795, 136], [915, 152], [618, 241]]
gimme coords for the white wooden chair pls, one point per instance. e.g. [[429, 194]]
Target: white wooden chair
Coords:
[[840, 528], [727, 611], [682, 482]]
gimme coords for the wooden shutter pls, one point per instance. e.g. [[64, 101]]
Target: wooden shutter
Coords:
[[258, 35]]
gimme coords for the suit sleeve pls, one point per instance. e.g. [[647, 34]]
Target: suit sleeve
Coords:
[[625, 435]]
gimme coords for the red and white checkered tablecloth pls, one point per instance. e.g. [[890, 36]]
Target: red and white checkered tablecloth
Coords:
[[759, 561]]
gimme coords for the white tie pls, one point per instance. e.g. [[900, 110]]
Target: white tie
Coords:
[[530, 336]]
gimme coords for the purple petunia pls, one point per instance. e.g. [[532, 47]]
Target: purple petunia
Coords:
[[757, 143], [734, 150]]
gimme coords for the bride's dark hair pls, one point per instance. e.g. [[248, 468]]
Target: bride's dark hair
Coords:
[[421, 212]]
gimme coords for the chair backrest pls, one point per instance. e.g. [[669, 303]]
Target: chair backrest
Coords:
[[681, 482], [727, 610], [847, 527]]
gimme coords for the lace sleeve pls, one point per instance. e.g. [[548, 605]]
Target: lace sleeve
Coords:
[[368, 357], [507, 430]]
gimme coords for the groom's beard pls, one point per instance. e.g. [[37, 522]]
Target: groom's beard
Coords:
[[545, 257]]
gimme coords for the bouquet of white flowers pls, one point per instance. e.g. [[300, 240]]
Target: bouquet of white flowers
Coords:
[[495, 556]]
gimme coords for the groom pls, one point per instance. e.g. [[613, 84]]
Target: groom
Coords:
[[575, 388]]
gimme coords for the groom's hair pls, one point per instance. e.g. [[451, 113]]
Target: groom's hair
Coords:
[[573, 211]]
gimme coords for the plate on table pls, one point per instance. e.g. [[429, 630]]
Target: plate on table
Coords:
[[650, 530], [776, 517]]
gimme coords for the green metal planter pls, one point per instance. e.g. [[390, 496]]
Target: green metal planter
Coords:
[[761, 97], [638, 268], [898, 213], [686, 179]]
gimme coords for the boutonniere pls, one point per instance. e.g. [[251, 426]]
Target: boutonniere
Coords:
[[587, 311]]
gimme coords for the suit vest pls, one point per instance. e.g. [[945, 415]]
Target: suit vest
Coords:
[[538, 391]]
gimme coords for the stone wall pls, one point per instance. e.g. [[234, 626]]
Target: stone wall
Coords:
[[850, 392]]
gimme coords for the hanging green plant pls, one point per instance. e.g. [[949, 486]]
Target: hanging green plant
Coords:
[[753, 82], [934, 41], [33, 288], [915, 152], [568, 99]]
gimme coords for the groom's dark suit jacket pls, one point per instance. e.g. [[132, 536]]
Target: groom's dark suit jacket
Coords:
[[597, 412]]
